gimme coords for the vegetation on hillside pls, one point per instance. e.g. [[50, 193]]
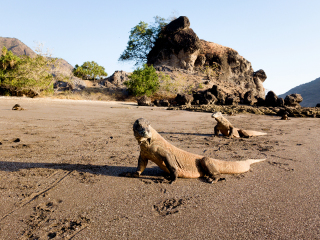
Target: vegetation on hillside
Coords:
[[141, 40], [27, 75], [89, 71]]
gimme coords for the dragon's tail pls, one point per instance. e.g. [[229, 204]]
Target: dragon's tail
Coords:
[[232, 167]]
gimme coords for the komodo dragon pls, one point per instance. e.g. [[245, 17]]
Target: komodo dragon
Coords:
[[226, 128], [177, 162], [17, 107]]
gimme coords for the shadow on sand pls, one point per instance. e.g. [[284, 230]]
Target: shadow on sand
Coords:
[[107, 170]]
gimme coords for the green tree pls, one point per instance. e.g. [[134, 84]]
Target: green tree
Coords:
[[89, 70], [141, 40], [143, 81], [26, 74], [8, 60]]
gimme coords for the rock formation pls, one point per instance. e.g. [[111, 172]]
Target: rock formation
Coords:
[[179, 47], [309, 91], [116, 80]]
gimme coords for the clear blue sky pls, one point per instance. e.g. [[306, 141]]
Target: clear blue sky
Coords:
[[279, 36]]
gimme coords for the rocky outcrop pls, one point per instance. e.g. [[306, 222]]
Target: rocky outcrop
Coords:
[[116, 80], [272, 100], [309, 92], [293, 100], [179, 47]]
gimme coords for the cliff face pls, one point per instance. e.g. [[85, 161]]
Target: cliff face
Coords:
[[179, 47]]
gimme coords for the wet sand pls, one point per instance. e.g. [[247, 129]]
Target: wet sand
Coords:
[[60, 162]]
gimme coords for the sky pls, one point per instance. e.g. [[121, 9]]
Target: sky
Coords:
[[279, 36]]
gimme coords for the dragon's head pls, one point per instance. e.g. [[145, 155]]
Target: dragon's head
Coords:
[[216, 115], [141, 130]]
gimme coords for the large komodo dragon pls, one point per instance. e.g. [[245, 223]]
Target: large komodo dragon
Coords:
[[226, 128], [177, 162]]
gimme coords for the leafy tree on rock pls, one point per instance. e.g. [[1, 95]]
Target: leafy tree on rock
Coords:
[[89, 70], [143, 81], [141, 40]]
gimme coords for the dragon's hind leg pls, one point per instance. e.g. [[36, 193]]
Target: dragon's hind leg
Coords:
[[210, 170]]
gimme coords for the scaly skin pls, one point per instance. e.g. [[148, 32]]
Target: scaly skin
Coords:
[[177, 162], [227, 129]]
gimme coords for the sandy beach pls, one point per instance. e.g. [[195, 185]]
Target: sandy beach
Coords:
[[60, 162]]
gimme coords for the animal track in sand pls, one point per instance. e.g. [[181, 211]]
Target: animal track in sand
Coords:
[[284, 166], [41, 224], [153, 180], [169, 206]]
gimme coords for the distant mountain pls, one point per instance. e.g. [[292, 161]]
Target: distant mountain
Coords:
[[16, 46], [310, 93], [19, 48]]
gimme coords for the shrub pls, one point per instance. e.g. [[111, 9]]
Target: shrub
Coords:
[[143, 81], [89, 70], [30, 76]]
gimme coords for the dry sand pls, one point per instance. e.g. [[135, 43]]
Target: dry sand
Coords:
[[60, 163]]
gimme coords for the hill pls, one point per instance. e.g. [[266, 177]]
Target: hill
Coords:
[[16, 46], [19, 48], [309, 91]]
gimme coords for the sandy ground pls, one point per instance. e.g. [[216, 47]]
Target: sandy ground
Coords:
[[60, 163]]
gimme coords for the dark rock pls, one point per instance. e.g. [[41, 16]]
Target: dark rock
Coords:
[[157, 102], [261, 102], [183, 99], [219, 94], [210, 98], [318, 105], [271, 99], [165, 103], [204, 98], [144, 101], [293, 100], [18, 92], [63, 86], [280, 102], [232, 100], [179, 23]]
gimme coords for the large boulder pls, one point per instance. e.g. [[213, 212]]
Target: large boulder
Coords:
[[293, 100], [271, 99], [180, 48]]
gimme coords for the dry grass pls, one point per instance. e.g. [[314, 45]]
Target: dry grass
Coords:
[[96, 94]]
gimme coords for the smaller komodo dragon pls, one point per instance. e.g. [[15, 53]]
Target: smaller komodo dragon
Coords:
[[17, 107], [226, 128], [177, 162], [285, 116]]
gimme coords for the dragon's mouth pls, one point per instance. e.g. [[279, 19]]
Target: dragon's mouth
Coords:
[[142, 134]]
